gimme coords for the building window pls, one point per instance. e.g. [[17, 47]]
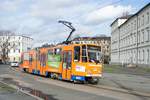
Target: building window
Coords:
[[148, 34], [135, 24], [148, 55], [139, 22], [147, 17], [143, 55], [134, 37], [143, 20], [19, 50], [14, 50], [143, 36], [139, 56], [139, 37]]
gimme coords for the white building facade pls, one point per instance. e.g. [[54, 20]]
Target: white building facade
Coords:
[[22, 44], [130, 38]]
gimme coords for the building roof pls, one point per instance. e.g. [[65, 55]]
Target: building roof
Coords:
[[136, 14], [91, 38], [24, 36], [6, 32], [122, 17], [130, 16], [9, 33]]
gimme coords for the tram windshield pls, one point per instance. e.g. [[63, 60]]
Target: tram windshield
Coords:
[[94, 54], [89, 53]]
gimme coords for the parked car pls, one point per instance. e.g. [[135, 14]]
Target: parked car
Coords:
[[14, 64]]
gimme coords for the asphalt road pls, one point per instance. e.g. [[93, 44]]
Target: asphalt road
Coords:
[[9, 93], [49, 89]]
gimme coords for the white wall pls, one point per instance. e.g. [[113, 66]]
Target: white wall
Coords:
[[134, 39]]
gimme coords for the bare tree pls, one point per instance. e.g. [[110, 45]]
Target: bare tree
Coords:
[[7, 43], [125, 14]]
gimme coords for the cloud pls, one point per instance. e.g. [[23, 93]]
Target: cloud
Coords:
[[58, 9], [9, 5], [39, 18], [109, 12]]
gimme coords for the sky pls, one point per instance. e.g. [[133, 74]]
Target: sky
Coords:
[[39, 18]]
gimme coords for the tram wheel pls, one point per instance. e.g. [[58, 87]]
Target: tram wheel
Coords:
[[93, 80]]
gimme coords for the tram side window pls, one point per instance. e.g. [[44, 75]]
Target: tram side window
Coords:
[[50, 55], [50, 52], [43, 59], [26, 56], [64, 59], [77, 53], [40, 59], [69, 60], [57, 53], [30, 59], [39, 55], [84, 55]]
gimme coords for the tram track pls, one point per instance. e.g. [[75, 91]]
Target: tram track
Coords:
[[121, 89]]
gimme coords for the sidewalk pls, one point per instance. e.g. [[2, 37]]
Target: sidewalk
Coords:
[[126, 81]]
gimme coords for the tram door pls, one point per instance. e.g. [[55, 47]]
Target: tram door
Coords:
[[30, 60], [30, 63], [67, 59], [42, 63]]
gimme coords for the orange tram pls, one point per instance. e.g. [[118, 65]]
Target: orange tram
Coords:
[[73, 62]]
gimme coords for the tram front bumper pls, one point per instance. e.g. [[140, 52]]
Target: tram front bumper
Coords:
[[94, 75]]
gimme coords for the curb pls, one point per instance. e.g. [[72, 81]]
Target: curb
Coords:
[[20, 90], [132, 92]]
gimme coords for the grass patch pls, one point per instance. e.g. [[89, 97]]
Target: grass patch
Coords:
[[111, 68], [145, 69], [126, 70]]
